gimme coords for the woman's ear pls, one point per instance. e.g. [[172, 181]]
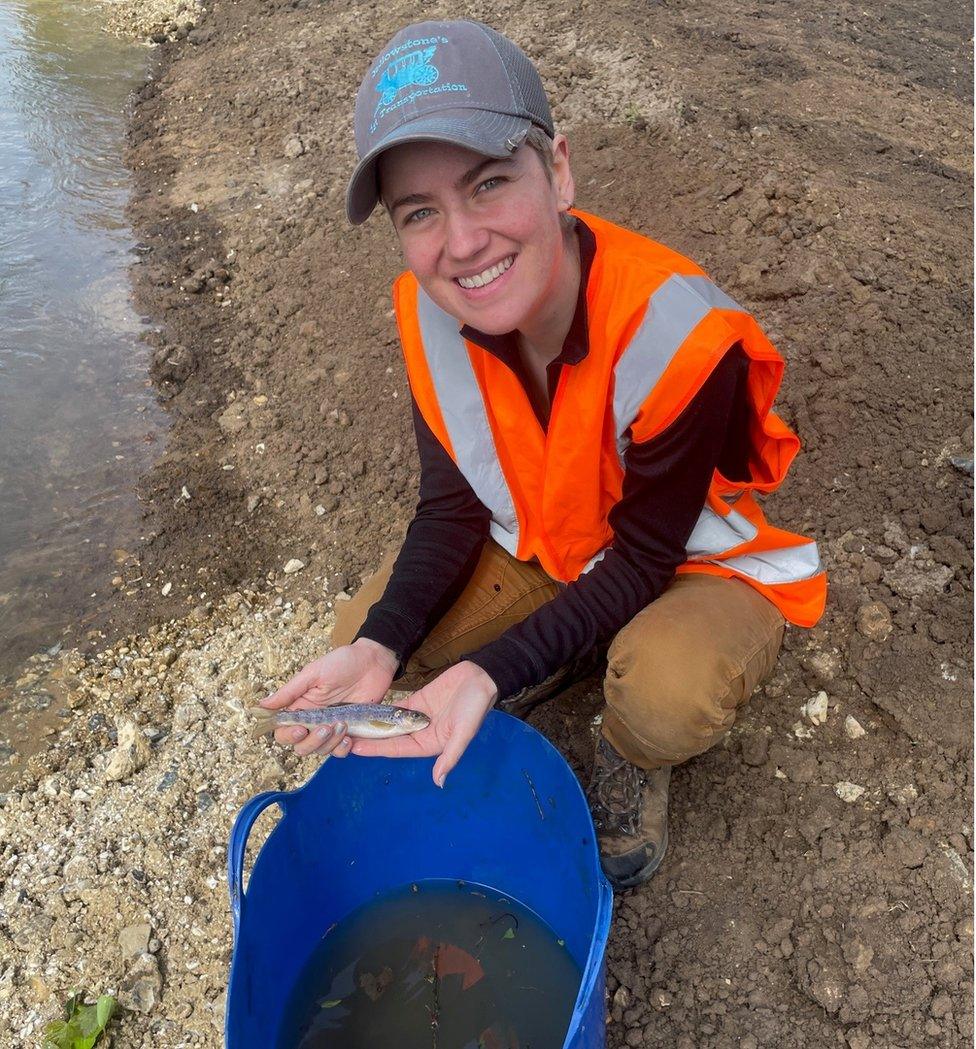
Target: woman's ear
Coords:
[[562, 176]]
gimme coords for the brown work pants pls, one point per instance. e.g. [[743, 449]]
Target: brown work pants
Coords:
[[676, 673]]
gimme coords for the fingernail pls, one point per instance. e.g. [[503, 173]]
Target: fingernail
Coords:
[[324, 731], [341, 727], [440, 780]]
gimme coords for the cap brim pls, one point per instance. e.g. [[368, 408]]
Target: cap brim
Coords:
[[476, 129]]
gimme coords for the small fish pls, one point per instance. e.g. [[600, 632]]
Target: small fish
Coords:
[[363, 720]]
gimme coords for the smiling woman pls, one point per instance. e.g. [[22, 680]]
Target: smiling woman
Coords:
[[593, 422]]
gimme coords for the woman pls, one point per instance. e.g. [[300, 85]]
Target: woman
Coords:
[[593, 421]]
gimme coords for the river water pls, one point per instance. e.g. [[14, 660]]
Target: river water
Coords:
[[78, 422]]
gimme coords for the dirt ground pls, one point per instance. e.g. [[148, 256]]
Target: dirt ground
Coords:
[[816, 160]]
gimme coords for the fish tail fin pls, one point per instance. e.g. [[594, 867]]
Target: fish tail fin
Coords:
[[262, 721]]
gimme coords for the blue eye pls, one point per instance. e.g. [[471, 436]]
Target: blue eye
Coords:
[[494, 178], [414, 214]]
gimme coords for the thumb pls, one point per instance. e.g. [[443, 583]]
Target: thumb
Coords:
[[451, 754], [291, 690]]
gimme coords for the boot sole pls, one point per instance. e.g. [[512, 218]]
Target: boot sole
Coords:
[[645, 873]]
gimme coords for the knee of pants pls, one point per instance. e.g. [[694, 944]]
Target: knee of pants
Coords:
[[673, 716]]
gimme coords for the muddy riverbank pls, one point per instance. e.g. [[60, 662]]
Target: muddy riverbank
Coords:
[[818, 164]]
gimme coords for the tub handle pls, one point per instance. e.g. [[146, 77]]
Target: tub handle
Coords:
[[238, 845]]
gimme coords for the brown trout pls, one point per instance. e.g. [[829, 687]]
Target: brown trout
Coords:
[[363, 720]]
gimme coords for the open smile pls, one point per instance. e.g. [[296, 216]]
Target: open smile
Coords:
[[488, 282]]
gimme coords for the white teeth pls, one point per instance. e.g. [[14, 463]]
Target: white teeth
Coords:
[[481, 279]]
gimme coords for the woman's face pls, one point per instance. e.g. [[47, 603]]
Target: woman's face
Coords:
[[465, 220]]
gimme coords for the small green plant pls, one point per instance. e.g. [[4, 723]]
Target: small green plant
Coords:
[[83, 1023], [632, 114]]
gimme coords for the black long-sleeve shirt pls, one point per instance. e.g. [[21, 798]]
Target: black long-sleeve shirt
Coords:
[[664, 488]]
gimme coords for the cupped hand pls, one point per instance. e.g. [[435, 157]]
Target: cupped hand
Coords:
[[358, 673], [457, 702]]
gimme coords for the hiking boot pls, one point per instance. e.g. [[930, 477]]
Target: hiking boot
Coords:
[[630, 813], [524, 702]]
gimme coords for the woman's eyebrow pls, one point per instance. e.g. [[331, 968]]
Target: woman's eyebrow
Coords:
[[465, 180]]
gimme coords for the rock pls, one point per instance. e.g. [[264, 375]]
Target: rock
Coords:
[[660, 998], [199, 36], [874, 621], [849, 792], [815, 709], [253, 500], [853, 728], [173, 364], [188, 714], [166, 588], [825, 985], [143, 984], [193, 285], [941, 1006], [904, 795], [962, 464], [293, 566], [134, 940], [232, 419], [815, 824], [131, 754], [755, 749], [294, 147]]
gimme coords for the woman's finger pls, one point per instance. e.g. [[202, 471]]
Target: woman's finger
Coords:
[[455, 746], [290, 735], [343, 748], [412, 746], [321, 740]]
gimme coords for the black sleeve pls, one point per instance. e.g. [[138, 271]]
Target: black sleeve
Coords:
[[439, 553], [665, 484]]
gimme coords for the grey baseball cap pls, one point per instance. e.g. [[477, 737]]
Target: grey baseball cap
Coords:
[[456, 81]]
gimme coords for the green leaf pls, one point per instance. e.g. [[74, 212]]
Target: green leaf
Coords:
[[105, 1009], [57, 1035], [509, 934], [84, 1023], [331, 1003]]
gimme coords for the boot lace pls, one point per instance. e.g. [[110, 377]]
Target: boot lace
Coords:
[[615, 793]]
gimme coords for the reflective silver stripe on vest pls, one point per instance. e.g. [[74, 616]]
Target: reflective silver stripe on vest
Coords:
[[714, 534], [463, 410], [673, 313], [594, 560], [788, 564]]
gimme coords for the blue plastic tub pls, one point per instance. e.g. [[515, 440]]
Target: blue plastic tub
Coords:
[[512, 816]]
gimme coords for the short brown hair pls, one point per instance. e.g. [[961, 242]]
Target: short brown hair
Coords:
[[542, 144]]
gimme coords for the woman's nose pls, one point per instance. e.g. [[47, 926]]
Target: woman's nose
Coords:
[[466, 236]]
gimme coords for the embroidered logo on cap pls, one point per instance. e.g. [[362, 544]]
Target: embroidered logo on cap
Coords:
[[415, 69]]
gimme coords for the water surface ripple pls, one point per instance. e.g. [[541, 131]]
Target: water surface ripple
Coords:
[[77, 420]]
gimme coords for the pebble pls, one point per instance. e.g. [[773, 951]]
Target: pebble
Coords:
[[874, 621], [293, 566], [848, 791], [134, 940], [166, 588], [815, 709], [853, 728], [132, 753]]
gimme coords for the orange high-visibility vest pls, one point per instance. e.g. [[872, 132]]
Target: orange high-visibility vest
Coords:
[[657, 327]]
